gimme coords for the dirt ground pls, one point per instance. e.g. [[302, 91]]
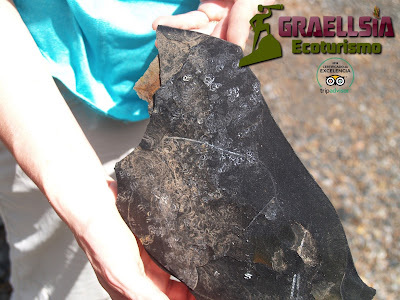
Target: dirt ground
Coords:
[[349, 142]]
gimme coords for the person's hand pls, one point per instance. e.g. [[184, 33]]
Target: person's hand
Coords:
[[121, 264], [225, 19]]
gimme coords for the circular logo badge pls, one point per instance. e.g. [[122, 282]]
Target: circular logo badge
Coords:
[[336, 75]]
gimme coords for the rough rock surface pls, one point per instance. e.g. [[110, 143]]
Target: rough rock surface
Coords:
[[217, 195]]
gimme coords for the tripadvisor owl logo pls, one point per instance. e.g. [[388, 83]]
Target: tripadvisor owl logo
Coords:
[[335, 76], [335, 79]]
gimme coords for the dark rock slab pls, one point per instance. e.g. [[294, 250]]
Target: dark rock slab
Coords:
[[216, 194]]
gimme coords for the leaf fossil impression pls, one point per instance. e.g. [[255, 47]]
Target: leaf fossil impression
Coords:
[[217, 195]]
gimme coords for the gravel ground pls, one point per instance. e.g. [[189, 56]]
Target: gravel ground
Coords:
[[349, 142]]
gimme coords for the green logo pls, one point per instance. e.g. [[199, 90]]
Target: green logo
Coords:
[[335, 76], [268, 48]]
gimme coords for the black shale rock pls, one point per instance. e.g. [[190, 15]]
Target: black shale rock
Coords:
[[216, 194]]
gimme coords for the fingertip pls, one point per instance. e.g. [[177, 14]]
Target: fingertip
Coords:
[[178, 291], [220, 29], [239, 38], [155, 23], [163, 20], [239, 28]]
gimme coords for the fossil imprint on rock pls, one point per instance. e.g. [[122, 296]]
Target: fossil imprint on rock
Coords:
[[217, 195]]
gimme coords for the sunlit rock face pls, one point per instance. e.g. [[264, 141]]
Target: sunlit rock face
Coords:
[[216, 194]]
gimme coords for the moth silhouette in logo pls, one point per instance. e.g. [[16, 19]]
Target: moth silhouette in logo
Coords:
[[335, 80], [376, 12], [268, 47]]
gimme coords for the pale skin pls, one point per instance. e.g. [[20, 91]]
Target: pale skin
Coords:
[[225, 19], [38, 128]]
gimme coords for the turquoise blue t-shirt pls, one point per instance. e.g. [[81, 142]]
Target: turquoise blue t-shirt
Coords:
[[99, 48]]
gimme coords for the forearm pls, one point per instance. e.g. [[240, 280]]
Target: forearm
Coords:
[[42, 134], [47, 142]]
